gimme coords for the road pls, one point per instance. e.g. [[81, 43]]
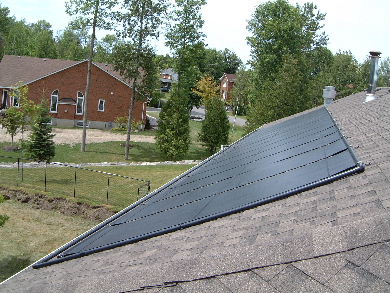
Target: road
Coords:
[[201, 113]]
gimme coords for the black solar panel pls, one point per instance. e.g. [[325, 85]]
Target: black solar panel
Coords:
[[270, 163]]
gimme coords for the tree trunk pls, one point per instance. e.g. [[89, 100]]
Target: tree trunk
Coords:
[[130, 117], [139, 47], [89, 74]]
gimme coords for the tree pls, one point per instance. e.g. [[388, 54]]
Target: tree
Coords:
[[12, 122], [134, 59], [384, 73], [173, 133], [215, 127], [19, 39], [207, 88], [70, 46], [243, 92], [5, 24], [104, 48], [185, 39], [284, 37], [40, 146], [95, 13], [27, 107]]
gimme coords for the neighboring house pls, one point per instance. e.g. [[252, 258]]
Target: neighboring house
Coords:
[[227, 84], [325, 235], [62, 83], [167, 78]]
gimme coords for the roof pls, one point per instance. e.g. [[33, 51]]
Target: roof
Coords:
[[229, 77], [171, 72], [25, 69], [334, 238]]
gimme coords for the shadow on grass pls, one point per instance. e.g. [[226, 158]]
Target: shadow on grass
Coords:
[[10, 265]]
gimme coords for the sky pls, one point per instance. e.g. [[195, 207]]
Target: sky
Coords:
[[358, 26]]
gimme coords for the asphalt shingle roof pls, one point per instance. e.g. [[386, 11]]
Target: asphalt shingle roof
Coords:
[[334, 238], [25, 69]]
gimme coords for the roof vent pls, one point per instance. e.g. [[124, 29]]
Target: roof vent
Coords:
[[329, 94], [374, 55]]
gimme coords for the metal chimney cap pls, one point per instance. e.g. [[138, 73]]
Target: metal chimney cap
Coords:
[[375, 53]]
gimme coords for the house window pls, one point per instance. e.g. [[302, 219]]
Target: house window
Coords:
[[101, 105], [54, 102], [80, 103], [15, 100], [4, 102]]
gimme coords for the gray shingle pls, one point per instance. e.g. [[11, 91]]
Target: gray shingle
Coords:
[[293, 280], [360, 255], [322, 268], [268, 273], [352, 279], [379, 263], [205, 285], [246, 282]]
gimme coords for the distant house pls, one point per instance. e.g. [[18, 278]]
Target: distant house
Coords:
[[167, 78], [62, 83], [227, 84]]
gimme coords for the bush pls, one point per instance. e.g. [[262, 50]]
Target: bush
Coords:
[[121, 123]]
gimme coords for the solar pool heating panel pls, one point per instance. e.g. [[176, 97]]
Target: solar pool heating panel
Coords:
[[270, 163]]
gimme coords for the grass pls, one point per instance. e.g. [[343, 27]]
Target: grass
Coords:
[[92, 187], [30, 234], [109, 152]]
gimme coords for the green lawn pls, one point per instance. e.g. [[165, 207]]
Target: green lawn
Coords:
[[30, 234], [110, 152], [92, 187]]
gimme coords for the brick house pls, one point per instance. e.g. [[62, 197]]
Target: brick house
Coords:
[[227, 84], [62, 83]]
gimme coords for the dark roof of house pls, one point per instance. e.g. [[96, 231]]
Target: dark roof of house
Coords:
[[25, 69], [334, 238]]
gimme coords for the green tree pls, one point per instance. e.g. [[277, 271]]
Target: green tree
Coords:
[[185, 39], [12, 122], [173, 133], [43, 43], [346, 74], [5, 24], [384, 73], [284, 37], [215, 127], [243, 92], [40, 146], [104, 48], [19, 39], [134, 59], [70, 46], [96, 14]]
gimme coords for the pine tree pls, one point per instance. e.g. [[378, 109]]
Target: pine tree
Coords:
[[40, 145], [215, 127], [173, 134]]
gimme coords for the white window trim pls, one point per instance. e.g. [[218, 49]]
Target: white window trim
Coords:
[[2, 100], [104, 105], [82, 104], [51, 101], [13, 98]]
